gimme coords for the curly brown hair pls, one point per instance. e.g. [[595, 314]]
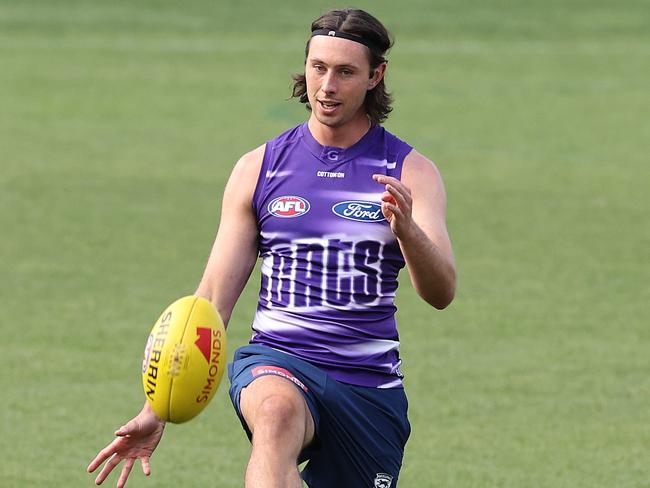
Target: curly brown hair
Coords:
[[358, 22]]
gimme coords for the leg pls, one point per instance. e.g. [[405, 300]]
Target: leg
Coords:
[[362, 436], [282, 425]]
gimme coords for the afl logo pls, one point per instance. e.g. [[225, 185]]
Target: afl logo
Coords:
[[288, 207], [359, 210]]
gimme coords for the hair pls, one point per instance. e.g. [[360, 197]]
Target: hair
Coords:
[[357, 22]]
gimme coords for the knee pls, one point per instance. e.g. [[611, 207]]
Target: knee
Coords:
[[278, 416]]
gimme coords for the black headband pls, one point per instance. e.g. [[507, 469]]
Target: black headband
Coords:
[[345, 35]]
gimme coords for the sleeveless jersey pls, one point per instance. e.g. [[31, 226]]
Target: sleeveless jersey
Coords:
[[329, 259]]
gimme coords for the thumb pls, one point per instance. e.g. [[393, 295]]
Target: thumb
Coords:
[[130, 428]]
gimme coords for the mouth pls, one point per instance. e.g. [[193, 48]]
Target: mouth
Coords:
[[328, 105]]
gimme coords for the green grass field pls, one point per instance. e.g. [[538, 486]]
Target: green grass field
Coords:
[[120, 121]]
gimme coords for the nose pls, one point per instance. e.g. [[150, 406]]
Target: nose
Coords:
[[329, 82]]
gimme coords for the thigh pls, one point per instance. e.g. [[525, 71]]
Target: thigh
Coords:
[[363, 432], [258, 372]]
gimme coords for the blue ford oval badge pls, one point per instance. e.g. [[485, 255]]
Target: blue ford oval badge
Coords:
[[359, 210]]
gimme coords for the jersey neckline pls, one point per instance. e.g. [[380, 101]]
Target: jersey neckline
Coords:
[[335, 155]]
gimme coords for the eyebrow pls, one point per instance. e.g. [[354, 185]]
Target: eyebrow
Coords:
[[320, 61]]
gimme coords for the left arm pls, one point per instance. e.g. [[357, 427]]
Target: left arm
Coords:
[[415, 208]]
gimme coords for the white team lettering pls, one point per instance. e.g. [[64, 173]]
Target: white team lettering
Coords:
[[336, 272], [330, 174]]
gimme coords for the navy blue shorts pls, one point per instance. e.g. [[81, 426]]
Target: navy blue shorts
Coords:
[[360, 432]]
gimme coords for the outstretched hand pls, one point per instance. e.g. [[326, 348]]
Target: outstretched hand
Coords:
[[135, 440], [396, 204]]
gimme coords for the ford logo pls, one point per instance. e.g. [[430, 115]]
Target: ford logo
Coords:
[[359, 210]]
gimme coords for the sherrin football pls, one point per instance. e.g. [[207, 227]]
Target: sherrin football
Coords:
[[184, 359]]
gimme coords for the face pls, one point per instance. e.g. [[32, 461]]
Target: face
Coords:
[[338, 76]]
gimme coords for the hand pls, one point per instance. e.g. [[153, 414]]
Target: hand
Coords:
[[396, 205], [135, 440]]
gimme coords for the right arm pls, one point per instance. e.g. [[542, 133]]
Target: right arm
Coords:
[[229, 266], [234, 252]]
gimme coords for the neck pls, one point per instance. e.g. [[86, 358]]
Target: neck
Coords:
[[342, 136]]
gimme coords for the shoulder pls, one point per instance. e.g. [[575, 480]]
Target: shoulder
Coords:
[[243, 178], [289, 136], [394, 145], [421, 175], [246, 172], [248, 166], [417, 163], [253, 157], [388, 149]]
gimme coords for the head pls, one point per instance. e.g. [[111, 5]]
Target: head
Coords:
[[344, 78]]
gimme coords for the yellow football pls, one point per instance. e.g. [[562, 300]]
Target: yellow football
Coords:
[[184, 359]]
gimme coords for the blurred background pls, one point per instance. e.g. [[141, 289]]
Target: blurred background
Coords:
[[120, 122]]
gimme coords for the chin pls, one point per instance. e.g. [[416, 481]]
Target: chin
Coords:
[[332, 122]]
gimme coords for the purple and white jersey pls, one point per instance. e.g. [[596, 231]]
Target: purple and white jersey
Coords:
[[329, 259]]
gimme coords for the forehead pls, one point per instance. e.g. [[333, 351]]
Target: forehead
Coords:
[[338, 51]]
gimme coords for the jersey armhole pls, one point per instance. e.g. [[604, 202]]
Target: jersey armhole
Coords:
[[258, 194], [402, 153]]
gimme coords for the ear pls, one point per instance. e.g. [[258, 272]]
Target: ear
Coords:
[[376, 76]]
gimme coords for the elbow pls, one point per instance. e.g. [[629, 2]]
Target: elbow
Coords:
[[441, 305], [442, 300], [441, 297]]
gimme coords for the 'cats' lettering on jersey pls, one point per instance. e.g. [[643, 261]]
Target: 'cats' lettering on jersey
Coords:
[[287, 207], [329, 272]]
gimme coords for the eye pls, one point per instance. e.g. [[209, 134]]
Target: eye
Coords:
[[319, 68], [346, 72]]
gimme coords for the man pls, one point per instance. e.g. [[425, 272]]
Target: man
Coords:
[[335, 207]]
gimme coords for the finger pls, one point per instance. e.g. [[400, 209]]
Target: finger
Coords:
[[390, 180], [388, 215], [393, 210], [383, 179], [146, 468], [126, 471], [400, 188], [108, 467], [102, 456], [94, 463], [403, 199], [396, 189]]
